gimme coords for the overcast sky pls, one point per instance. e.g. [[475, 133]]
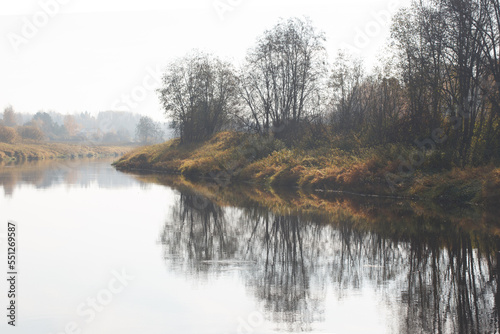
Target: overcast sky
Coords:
[[95, 55]]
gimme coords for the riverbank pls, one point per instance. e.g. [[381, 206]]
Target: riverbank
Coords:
[[45, 151], [235, 157]]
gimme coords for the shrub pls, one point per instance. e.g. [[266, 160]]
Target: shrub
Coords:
[[258, 147], [7, 134], [30, 132]]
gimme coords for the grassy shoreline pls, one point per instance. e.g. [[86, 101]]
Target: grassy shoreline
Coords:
[[235, 157], [45, 151]]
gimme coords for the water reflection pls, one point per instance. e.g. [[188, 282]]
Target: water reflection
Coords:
[[47, 173], [426, 269], [436, 278]]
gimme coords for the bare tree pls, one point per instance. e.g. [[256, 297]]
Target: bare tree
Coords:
[[9, 117], [283, 79], [418, 38], [383, 118], [200, 94], [349, 105], [148, 131]]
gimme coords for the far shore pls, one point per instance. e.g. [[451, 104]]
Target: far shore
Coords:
[[19, 152]]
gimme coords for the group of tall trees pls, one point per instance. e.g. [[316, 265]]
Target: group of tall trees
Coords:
[[10, 131], [440, 82], [449, 64], [281, 86], [106, 127]]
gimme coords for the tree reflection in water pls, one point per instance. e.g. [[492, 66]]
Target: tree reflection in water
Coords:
[[441, 282]]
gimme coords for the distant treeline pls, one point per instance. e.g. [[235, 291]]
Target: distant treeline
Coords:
[[106, 127], [438, 87]]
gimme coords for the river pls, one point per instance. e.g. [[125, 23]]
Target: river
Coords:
[[100, 251]]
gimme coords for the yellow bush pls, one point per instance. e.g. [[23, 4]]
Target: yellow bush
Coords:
[[7, 134]]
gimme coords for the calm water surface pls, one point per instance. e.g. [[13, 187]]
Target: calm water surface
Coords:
[[106, 252]]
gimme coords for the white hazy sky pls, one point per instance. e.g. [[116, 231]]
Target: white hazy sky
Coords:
[[94, 55]]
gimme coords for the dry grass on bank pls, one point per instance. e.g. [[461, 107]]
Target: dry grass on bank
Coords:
[[243, 157], [41, 151]]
